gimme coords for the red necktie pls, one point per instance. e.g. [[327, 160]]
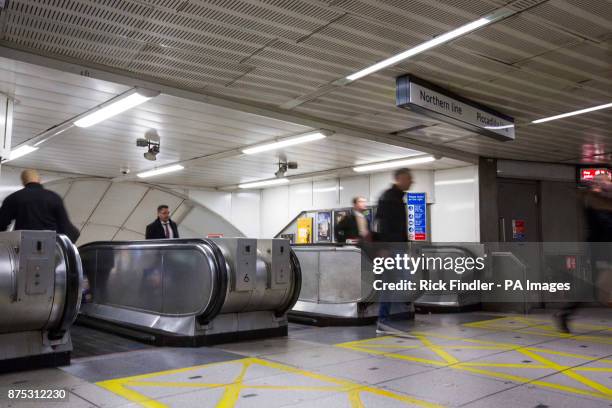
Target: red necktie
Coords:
[[167, 232]]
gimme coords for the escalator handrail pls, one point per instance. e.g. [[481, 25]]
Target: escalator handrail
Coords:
[[74, 279]]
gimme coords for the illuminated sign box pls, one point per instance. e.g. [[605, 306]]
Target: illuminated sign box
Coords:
[[589, 174], [428, 99]]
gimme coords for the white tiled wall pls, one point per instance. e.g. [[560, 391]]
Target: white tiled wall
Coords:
[[455, 216]]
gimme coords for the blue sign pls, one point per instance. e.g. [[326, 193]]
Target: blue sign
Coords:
[[417, 216]]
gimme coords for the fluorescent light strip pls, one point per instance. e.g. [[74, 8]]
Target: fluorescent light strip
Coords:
[[393, 164], [309, 137], [454, 182], [20, 152], [578, 112], [161, 170], [264, 183], [113, 108], [441, 39]]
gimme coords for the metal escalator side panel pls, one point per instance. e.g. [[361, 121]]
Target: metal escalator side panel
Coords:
[[73, 287], [163, 278], [296, 285], [221, 283]]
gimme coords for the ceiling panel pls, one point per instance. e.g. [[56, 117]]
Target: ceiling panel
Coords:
[[552, 57]]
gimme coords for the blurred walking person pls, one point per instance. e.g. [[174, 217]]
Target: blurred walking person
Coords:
[[598, 217]]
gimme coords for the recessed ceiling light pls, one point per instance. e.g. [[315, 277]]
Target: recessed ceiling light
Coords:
[[264, 183], [441, 39], [115, 106], [289, 141], [20, 152], [161, 170], [393, 164], [578, 112]]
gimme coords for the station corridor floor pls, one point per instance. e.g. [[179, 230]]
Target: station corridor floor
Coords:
[[473, 360]]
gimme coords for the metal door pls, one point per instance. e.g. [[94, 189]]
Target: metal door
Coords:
[[519, 234], [519, 219]]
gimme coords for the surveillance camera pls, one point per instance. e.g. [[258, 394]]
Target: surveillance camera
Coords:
[[151, 154], [292, 165], [124, 170], [141, 142]]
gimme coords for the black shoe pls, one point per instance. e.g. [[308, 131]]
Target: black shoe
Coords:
[[561, 322]]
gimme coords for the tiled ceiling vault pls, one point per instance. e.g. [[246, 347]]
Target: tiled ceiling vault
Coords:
[[549, 57]]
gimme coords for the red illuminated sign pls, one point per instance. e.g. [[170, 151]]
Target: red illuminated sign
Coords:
[[589, 174]]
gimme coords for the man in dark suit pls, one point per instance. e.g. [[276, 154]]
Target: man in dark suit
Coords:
[[392, 222], [163, 226], [34, 208], [354, 226]]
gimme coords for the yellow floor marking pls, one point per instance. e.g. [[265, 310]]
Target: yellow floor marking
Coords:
[[600, 391], [505, 365], [568, 372], [546, 326], [232, 389], [438, 350]]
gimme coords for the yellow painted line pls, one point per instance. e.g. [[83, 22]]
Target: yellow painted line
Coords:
[[600, 369], [600, 390], [504, 365], [564, 354], [474, 347], [438, 350], [519, 379], [389, 346], [569, 373], [172, 384], [355, 399], [396, 356], [116, 387], [232, 392], [233, 389]]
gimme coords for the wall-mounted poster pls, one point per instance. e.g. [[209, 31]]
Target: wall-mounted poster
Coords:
[[304, 230], [417, 217], [324, 226], [339, 216], [290, 237]]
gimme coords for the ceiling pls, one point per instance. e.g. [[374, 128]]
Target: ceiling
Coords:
[[550, 57], [188, 129]]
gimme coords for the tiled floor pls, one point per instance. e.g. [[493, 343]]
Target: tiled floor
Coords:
[[470, 360]]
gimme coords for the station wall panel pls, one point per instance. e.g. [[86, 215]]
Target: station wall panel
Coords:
[[455, 215], [326, 194], [117, 204], [300, 198], [83, 197], [351, 187], [94, 232]]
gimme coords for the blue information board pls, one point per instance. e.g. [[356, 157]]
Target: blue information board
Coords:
[[417, 216]]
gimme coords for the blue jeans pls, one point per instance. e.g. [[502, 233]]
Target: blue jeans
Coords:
[[384, 311]]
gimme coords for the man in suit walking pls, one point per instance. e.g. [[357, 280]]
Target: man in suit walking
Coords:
[[163, 227]]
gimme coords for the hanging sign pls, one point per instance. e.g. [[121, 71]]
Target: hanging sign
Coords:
[[429, 99], [417, 216]]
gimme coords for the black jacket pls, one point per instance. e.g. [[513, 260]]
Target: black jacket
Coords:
[[155, 230], [34, 208], [391, 216], [348, 229]]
